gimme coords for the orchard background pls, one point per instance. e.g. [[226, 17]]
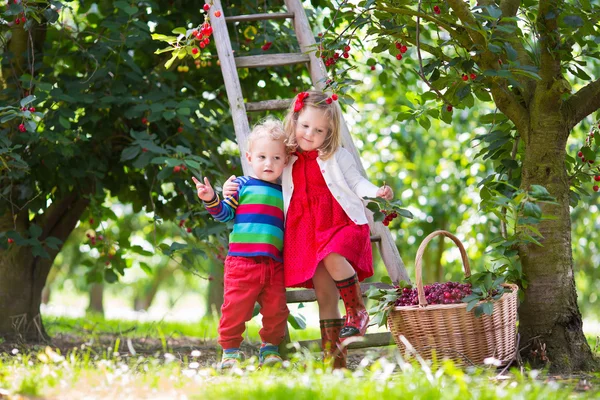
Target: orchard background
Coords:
[[108, 108]]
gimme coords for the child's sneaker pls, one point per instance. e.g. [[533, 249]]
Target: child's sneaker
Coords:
[[268, 355], [231, 359]]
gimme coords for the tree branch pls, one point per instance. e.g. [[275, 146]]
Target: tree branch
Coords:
[[511, 107], [464, 14], [549, 39], [509, 7], [454, 31], [582, 103]]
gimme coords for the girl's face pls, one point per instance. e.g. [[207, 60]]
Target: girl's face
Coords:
[[312, 128]]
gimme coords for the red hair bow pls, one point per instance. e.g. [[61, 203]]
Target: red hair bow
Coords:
[[300, 101]]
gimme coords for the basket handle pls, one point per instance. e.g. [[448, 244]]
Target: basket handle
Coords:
[[419, 260]]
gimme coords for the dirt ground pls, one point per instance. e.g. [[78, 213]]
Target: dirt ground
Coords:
[[179, 347]]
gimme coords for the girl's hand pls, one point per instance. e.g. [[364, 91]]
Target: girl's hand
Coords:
[[205, 190], [385, 192], [229, 187]]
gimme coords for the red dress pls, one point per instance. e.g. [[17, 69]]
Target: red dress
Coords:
[[316, 225]]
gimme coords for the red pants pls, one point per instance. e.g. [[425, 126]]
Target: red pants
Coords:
[[249, 280]]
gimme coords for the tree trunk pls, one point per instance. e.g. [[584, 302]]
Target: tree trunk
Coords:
[[143, 299], [23, 275], [96, 299], [550, 322], [214, 300]]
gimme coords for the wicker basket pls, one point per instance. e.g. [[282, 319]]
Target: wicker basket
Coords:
[[448, 331]]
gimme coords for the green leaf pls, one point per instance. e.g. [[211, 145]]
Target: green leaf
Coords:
[[38, 251], [110, 276], [169, 63], [478, 311], [297, 321], [130, 10], [386, 279], [424, 122], [179, 31], [573, 21], [532, 210], [164, 50], [25, 101], [185, 111], [169, 115], [130, 153], [588, 153], [53, 242], [404, 213], [164, 38], [64, 122], [488, 307], [35, 231], [472, 304]]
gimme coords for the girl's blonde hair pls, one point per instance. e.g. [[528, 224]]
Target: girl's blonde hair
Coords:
[[331, 111], [268, 127]]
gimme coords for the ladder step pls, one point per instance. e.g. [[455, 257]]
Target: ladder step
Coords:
[[258, 17], [369, 340], [308, 295], [271, 60], [267, 105]]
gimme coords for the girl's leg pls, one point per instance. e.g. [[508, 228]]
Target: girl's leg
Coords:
[[330, 318], [327, 293], [346, 280]]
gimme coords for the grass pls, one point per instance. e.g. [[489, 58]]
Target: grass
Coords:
[[204, 329], [82, 374], [100, 372]]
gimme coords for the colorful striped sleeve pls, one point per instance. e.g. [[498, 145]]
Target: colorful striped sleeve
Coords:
[[224, 210]]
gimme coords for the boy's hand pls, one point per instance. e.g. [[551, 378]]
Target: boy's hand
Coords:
[[229, 187], [385, 192], [205, 190]]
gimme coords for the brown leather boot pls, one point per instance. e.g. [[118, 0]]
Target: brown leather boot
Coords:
[[330, 342], [357, 317]]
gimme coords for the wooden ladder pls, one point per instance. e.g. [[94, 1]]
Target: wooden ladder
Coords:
[[239, 109]]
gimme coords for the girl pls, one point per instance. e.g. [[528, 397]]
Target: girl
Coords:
[[326, 234]]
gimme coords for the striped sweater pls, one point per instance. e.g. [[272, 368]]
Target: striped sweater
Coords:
[[257, 207]]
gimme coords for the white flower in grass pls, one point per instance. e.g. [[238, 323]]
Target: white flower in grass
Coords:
[[196, 353], [169, 357], [15, 351], [188, 373], [492, 361], [194, 365]]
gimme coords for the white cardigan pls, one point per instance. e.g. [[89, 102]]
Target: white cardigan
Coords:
[[344, 180]]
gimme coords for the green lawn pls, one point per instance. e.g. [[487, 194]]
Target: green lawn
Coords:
[[81, 374], [96, 371], [205, 329]]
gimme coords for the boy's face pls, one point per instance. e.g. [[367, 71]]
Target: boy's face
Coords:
[[267, 158]]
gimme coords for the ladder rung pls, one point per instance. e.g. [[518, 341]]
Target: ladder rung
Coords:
[[258, 17], [267, 105], [271, 60], [307, 295], [369, 340], [375, 238]]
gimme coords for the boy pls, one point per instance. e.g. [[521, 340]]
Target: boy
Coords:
[[254, 264]]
